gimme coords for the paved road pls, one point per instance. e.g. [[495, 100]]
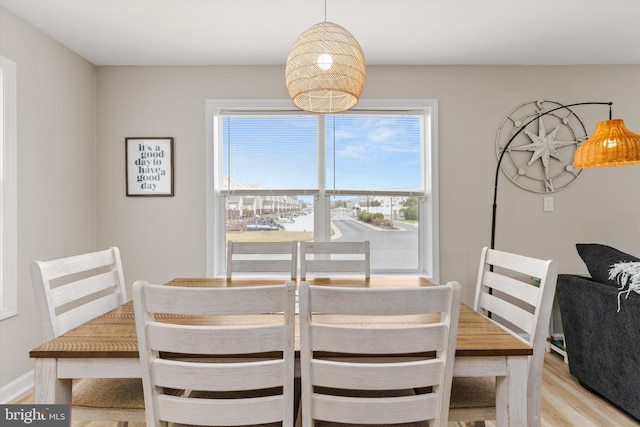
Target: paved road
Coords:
[[301, 223], [390, 249]]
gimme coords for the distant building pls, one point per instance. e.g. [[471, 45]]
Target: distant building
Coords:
[[247, 205], [390, 207]]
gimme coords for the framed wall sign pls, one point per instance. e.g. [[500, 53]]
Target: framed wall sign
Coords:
[[149, 166]]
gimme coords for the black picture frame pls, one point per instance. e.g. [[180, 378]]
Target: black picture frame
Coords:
[[149, 166]]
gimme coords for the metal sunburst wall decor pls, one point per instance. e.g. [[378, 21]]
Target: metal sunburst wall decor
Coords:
[[540, 159]]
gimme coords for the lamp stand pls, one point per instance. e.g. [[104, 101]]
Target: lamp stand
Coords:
[[504, 150]]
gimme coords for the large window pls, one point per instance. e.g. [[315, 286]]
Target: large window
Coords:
[[8, 226], [278, 174]]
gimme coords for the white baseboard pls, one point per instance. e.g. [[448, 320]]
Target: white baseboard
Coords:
[[16, 388]]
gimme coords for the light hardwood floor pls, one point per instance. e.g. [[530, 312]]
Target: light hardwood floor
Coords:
[[565, 403]]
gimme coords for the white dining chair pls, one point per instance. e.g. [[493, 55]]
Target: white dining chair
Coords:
[[349, 373], [233, 373], [326, 258], [69, 292], [516, 292], [262, 257]]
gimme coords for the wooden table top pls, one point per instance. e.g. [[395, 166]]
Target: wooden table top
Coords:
[[113, 334]]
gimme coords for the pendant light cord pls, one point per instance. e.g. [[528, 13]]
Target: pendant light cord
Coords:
[[325, 10]]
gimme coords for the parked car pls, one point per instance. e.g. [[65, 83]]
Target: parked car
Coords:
[[262, 225]]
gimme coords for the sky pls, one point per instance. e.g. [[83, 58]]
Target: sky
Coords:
[[367, 153]]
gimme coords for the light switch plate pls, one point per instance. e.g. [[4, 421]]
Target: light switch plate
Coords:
[[548, 204]]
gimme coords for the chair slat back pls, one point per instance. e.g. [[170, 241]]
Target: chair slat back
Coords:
[[267, 257], [72, 290], [510, 291], [335, 257], [186, 337], [510, 295], [377, 329]]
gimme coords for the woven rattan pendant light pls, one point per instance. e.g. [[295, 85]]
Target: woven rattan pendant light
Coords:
[[612, 144], [326, 70]]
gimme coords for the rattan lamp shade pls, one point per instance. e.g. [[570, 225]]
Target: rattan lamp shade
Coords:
[[612, 144], [325, 71]]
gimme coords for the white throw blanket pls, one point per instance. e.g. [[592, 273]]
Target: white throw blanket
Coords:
[[628, 276]]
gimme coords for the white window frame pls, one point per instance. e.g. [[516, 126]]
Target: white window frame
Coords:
[[8, 190], [215, 200]]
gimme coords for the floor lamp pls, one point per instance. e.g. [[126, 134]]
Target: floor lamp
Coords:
[[612, 144]]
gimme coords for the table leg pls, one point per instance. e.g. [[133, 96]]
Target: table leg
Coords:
[[511, 393], [48, 388]]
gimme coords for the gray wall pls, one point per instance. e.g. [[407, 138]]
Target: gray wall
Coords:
[[65, 207], [56, 170], [163, 238]]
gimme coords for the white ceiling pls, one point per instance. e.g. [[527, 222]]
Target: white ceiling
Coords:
[[258, 32]]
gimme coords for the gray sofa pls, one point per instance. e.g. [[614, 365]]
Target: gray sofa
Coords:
[[603, 344]]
